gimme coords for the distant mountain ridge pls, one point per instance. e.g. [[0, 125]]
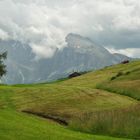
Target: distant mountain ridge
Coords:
[[80, 54]]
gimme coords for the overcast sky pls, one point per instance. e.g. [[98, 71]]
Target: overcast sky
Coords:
[[43, 24]]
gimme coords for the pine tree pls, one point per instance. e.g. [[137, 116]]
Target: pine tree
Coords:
[[3, 56]]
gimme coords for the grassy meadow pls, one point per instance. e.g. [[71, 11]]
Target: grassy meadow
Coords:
[[92, 104]]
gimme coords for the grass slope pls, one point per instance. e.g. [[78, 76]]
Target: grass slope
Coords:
[[19, 126], [78, 102], [125, 82]]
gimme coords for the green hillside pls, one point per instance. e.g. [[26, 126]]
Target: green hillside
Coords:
[[104, 102], [19, 126]]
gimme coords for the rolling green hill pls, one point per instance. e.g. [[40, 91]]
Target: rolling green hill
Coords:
[[104, 102]]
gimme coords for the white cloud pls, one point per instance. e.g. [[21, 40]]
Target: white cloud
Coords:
[[3, 35], [42, 51], [131, 52], [43, 24]]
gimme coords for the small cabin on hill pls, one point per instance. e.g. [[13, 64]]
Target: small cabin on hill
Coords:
[[125, 62], [75, 74]]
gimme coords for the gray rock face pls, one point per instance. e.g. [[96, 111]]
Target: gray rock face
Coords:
[[80, 54]]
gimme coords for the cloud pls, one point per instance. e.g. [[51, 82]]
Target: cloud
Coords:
[[3, 35], [43, 24], [131, 52], [42, 51]]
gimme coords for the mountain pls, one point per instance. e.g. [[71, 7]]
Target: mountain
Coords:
[[80, 54], [120, 57]]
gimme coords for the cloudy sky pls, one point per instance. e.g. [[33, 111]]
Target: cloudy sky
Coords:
[[43, 24]]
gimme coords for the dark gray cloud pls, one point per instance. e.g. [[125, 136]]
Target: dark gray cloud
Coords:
[[43, 24]]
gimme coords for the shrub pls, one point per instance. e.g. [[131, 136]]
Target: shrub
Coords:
[[119, 74], [113, 78]]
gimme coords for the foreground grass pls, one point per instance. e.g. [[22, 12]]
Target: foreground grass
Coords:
[[120, 122], [19, 126]]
